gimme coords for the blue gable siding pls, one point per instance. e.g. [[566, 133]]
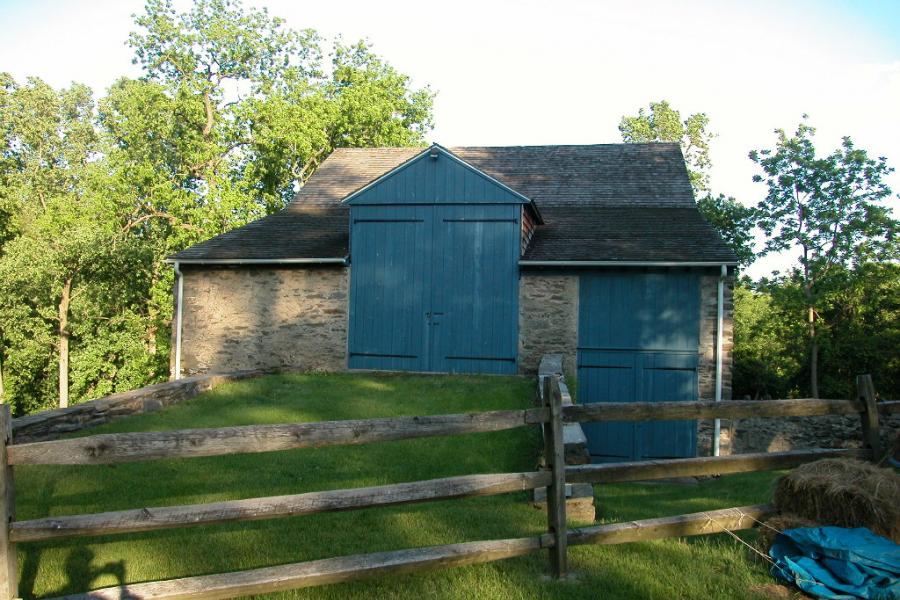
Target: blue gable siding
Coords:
[[442, 179], [434, 276]]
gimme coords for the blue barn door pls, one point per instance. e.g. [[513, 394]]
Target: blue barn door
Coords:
[[390, 288], [434, 288], [475, 289], [638, 342]]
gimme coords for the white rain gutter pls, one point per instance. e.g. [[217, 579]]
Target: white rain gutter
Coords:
[[179, 304], [720, 319], [617, 263]]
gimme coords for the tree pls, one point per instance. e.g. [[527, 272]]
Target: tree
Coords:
[[827, 209], [733, 221], [766, 349], [664, 124], [233, 113], [49, 141]]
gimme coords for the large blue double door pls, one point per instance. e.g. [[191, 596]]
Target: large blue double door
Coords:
[[434, 288], [638, 342]]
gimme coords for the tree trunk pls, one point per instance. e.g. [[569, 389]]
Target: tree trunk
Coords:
[[207, 104], [64, 343], [813, 355], [2, 398]]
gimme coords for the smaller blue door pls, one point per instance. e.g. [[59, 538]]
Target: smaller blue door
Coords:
[[638, 342]]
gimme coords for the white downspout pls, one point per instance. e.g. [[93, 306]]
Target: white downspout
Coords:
[[178, 311], [720, 318]]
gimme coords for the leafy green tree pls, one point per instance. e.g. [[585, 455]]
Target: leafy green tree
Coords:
[[767, 343], [733, 221], [49, 142], [233, 113], [829, 211], [662, 123]]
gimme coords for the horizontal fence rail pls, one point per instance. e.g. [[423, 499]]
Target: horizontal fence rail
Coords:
[[129, 447], [191, 443], [704, 466], [730, 409], [167, 517], [360, 566]]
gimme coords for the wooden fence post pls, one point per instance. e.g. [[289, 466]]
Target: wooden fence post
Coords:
[[556, 491], [9, 570], [871, 436]]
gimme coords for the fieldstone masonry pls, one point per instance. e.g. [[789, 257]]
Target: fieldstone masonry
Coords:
[[708, 319], [264, 318], [548, 319], [742, 436]]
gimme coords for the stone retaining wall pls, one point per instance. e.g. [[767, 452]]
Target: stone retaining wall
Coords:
[[51, 424], [743, 436]]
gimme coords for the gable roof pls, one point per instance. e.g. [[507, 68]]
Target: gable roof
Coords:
[[451, 180], [599, 203]]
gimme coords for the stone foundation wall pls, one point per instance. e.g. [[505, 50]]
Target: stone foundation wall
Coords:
[[708, 321], [548, 319], [263, 318], [743, 436], [51, 424]]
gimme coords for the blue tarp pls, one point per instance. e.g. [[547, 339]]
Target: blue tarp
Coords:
[[838, 563]]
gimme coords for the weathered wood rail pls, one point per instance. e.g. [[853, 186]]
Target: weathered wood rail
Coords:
[[127, 447]]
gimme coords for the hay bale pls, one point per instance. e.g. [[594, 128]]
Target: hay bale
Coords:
[[843, 492], [775, 525]]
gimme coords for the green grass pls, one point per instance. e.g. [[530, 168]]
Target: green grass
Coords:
[[710, 567]]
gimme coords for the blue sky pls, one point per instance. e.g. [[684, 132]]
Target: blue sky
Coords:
[[538, 72]]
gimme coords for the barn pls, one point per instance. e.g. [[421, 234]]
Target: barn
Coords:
[[479, 260]]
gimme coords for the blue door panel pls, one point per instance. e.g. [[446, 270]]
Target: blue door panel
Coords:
[[389, 288], [475, 291], [638, 342], [434, 288], [608, 377], [667, 378]]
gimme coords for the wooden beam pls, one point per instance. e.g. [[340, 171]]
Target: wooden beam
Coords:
[[701, 523], [187, 443], [556, 492], [889, 407], [317, 572], [871, 434], [167, 517], [685, 411], [697, 467], [348, 568], [9, 571]]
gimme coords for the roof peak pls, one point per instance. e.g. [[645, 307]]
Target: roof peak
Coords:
[[496, 147]]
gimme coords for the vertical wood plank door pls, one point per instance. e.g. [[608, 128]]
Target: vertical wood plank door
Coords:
[[638, 341], [434, 288]]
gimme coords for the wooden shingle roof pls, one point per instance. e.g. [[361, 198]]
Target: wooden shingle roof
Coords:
[[606, 202]]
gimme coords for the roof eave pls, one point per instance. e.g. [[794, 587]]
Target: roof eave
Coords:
[[627, 263], [256, 261]]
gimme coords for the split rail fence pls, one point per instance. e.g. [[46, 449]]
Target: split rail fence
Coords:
[[127, 447]]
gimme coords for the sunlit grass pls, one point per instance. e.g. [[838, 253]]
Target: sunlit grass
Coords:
[[699, 568]]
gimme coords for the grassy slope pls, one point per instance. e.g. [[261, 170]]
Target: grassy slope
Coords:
[[698, 568]]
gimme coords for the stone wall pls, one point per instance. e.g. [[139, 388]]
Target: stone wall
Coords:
[[262, 317], [742, 436], [548, 319], [708, 320], [51, 424]]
